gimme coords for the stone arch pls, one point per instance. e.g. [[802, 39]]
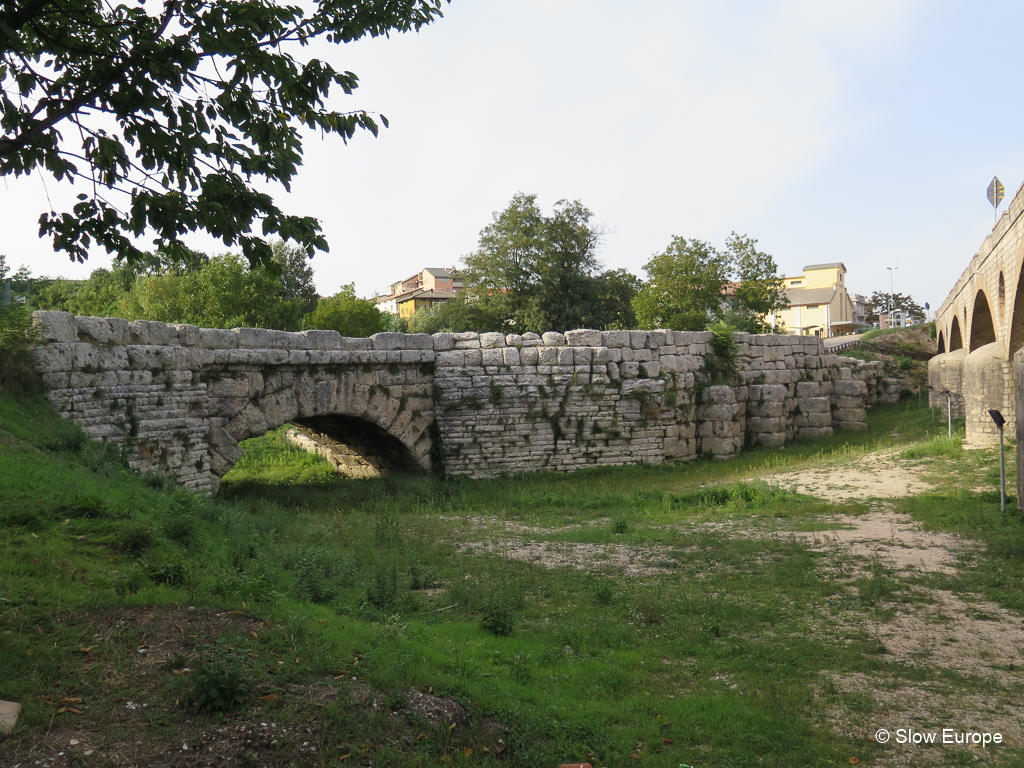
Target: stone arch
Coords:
[[942, 344], [1016, 319], [355, 447], [370, 428], [955, 338], [983, 330]]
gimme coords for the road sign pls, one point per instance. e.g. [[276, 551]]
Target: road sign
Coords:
[[995, 192]]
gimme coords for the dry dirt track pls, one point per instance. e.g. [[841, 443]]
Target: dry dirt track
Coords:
[[939, 631]]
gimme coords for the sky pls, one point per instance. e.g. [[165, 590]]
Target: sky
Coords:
[[860, 131]]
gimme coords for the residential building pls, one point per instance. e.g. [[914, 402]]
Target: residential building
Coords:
[[426, 288], [861, 311], [819, 304]]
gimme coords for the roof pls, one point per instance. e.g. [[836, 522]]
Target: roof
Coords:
[[438, 271], [423, 293], [831, 265], [804, 296]]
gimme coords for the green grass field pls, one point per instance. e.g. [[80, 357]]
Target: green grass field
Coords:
[[659, 616]]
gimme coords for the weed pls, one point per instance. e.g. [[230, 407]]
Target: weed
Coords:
[[221, 682]]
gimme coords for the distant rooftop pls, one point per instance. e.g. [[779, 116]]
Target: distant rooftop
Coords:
[[832, 265]]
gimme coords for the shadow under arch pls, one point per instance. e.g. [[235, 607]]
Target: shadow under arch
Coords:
[[955, 339], [942, 344], [983, 329], [1016, 320], [354, 446]]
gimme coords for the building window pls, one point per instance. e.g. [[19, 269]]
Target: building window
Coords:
[[797, 282], [812, 306]]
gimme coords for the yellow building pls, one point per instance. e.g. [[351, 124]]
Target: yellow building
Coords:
[[426, 288], [819, 304]]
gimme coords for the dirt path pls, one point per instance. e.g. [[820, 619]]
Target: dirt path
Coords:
[[943, 634]]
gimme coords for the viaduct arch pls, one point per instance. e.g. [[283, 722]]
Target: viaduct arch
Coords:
[[980, 328]]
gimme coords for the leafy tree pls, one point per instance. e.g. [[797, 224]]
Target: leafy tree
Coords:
[[168, 111], [224, 293], [533, 272], [567, 294], [880, 300], [500, 275], [685, 287], [618, 288], [103, 294], [692, 285], [296, 277], [757, 290], [463, 313], [347, 314]]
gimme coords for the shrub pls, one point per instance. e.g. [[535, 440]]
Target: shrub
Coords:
[[319, 574], [134, 538], [382, 592], [498, 618], [221, 682], [17, 338]]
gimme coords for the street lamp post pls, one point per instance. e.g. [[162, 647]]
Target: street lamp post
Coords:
[[892, 296], [997, 417]]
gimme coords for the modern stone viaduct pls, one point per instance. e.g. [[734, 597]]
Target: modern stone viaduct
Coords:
[[181, 398], [980, 327]]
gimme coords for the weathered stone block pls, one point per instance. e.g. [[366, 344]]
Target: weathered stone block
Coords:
[[615, 339], [656, 339], [583, 338], [548, 355], [493, 356], [512, 356], [650, 369], [553, 339], [443, 341], [492, 340], [850, 387], [629, 370]]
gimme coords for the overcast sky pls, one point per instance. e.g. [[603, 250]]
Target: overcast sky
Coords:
[[858, 131]]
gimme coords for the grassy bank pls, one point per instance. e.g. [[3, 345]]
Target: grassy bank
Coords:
[[632, 616]]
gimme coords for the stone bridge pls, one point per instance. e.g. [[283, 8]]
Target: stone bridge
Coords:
[[180, 399], [980, 327]]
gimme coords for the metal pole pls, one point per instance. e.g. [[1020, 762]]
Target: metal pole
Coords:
[[1002, 475]]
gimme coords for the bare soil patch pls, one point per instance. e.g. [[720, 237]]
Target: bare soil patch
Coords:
[[128, 718]]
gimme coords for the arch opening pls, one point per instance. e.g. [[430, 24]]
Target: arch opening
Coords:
[[955, 340], [354, 446], [983, 330], [942, 344], [1016, 319]]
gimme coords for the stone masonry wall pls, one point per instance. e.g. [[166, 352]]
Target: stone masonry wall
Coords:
[[181, 398]]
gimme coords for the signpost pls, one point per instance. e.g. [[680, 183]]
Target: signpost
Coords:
[[995, 195]]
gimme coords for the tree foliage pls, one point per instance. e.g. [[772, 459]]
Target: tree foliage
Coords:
[[692, 285], [463, 313], [347, 314], [296, 276], [226, 292], [533, 272], [757, 288], [685, 287], [880, 300], [168, 110]]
